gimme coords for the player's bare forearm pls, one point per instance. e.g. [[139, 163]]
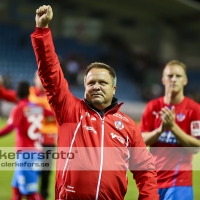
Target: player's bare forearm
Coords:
[[151, 137], [7, 129]]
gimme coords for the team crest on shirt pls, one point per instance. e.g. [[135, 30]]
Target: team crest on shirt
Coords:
[[180, 117], [119, 125]]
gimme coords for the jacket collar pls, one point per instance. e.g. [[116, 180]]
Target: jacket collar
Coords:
[[102, 112]]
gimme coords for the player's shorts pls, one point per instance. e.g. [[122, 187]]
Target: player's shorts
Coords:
[[177, 193], [27, 173]]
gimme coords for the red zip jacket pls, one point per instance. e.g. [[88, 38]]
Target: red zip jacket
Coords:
[[99, 149]]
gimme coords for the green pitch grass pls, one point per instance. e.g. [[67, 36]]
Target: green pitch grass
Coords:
[[132, 194]]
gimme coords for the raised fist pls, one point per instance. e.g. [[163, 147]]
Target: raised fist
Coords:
[[44, 15]]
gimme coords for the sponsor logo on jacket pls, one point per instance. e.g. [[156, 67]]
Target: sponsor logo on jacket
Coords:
[[121, 117], [90, 128], [70, 189], [121, 139]]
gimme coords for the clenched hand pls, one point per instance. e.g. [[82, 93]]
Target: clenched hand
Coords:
[[44, 15]]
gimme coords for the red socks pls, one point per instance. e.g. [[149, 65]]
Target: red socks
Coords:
[[34, 196], [16, 195]]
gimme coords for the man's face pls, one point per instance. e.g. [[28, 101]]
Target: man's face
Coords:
[[174, 79], [99, 88]]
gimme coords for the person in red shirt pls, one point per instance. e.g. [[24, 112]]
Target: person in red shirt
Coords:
[[26, 118], [101, 142], [48, 129], [171, 127]]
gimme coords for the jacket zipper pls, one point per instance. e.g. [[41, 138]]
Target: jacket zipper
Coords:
[[102, 145], [102, 157]]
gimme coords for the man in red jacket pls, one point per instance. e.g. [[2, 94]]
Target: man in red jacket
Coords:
[[101, 142]]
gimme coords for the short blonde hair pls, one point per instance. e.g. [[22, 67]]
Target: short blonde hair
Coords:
[[176, 62]]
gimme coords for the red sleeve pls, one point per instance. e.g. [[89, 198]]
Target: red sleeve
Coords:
[[55, 85], [195, 121], [8, 95], [146, 123], [7, 129], [41, 31], [143, 168]]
